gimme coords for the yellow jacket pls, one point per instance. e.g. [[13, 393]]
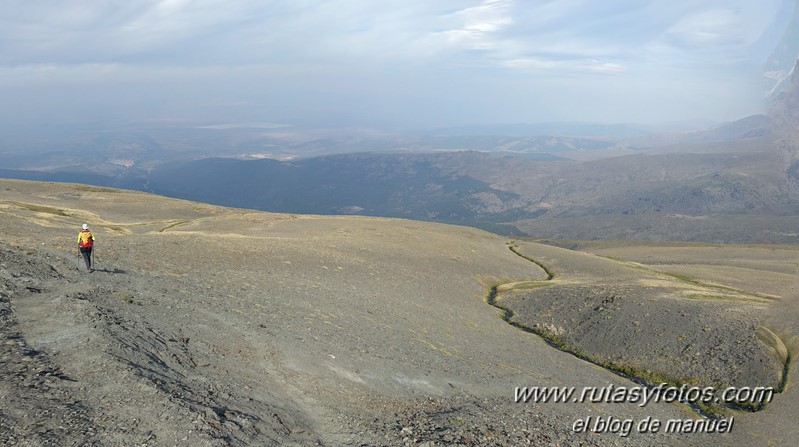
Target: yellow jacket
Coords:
[[85, 239]]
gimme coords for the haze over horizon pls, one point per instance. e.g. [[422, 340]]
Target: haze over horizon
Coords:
[[386, 64], [349, 223]]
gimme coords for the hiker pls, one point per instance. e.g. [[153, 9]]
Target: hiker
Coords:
[[85, 243]]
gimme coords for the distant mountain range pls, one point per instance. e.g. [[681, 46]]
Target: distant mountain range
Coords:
[[713, 184], [554, 129]]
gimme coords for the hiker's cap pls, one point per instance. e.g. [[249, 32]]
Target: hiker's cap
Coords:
[[85, 226]]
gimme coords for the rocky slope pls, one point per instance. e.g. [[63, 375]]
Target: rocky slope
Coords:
[[784, 109], [215, 326]]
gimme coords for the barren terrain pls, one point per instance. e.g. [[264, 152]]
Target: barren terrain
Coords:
[[205, 325]]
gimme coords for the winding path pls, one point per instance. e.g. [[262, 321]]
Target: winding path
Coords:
[[508, 314]]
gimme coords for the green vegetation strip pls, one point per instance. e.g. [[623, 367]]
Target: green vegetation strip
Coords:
[[690, 280], [515, 250], [172, 225], [785, 371], [39, 208], [693, 281], [645, 378], [648, 379]]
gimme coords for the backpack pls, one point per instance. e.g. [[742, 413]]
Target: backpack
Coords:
[[86, 239]]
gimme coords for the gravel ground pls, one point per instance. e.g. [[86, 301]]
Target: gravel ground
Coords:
[[206, 326]]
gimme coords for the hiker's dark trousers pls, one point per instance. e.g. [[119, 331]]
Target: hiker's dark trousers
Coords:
[[87, 256]]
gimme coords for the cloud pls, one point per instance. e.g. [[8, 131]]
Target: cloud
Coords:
[[475, 25], [564, 67], [707, 28], [455, 58], [209, 32]]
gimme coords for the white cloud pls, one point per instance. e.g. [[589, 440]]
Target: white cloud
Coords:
[[487, 17], [368, 55], [708, 28], [564, 67]]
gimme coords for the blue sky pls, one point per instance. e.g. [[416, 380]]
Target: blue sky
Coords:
[[394, 63]]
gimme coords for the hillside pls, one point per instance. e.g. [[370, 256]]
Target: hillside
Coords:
[[734, 183], [715, 192], [206, 325]]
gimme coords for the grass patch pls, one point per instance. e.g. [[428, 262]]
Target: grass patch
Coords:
[[116, 228], [489, 281], [686, 279], [172, 225], [126, 297], [522, 285], [693, 281], [515, 249], [712, 297], [40, 208], [689, 279], [773, 341], [82, 187]]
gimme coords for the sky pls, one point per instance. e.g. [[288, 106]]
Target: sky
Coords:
[[387, 63]]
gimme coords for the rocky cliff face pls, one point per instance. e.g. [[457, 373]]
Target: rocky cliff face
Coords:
[[784, 108], [783, 97], [777, 68], [784, 111]]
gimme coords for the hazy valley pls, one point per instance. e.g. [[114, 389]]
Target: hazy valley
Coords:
[[733, 183], [730, 182]]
